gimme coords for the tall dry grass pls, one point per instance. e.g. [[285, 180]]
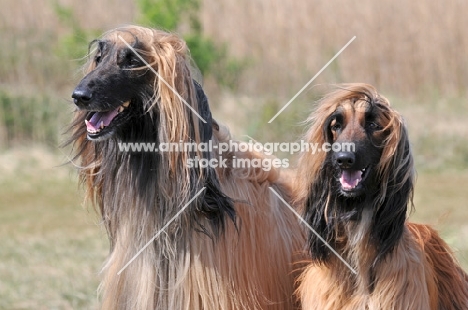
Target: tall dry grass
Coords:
[[405, 47]]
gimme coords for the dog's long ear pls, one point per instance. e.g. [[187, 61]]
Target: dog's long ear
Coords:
[[313, 185], [396, 171], [179, 101], [214, 204], [172, 86], [317, 210]]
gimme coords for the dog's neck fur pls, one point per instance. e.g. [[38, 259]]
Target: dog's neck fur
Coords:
[[353, 242], [347, 224], [137, 201]]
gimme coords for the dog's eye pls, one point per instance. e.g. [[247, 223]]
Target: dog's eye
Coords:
[[373, 126], [132, 61], [335, 126], [135, 62]]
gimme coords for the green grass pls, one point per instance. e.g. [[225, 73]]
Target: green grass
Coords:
[[52, 248]]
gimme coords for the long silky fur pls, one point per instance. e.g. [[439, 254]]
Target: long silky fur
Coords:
[[233, 248], [399, 265]]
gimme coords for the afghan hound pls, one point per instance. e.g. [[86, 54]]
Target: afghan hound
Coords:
[[356, 197], [234, 245]]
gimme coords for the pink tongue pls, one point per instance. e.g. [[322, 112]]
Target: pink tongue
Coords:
[[94, 123], [350, 178]]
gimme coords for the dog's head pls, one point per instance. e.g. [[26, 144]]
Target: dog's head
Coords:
[[369, 164], [136, 72], [117, 79], [357, 131]]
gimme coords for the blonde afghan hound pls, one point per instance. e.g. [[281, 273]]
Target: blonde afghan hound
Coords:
[[357, 199], [233, 246]]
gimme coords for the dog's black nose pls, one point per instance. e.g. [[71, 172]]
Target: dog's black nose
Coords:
[[345, 159], [82, 96]]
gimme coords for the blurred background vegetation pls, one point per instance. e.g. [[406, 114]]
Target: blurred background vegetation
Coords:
[[254, 56]]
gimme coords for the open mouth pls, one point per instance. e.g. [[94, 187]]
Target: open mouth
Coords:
[[351, 180], [98, 121]]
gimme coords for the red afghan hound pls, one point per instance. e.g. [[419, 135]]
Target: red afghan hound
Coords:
[[234, 245], [357, 199]]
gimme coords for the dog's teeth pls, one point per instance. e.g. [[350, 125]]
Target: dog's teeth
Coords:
[[94, 131], [121, 108], [126, 104], [86, 122], [102, 125]]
